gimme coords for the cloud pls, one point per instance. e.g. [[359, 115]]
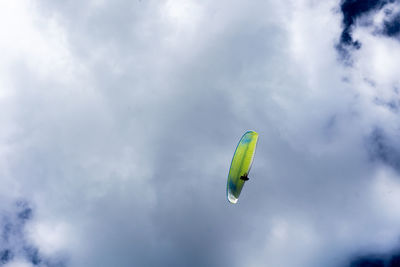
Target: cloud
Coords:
[[352, 10], [390, 260], [392, 27], [120, 120], [380, 17], [15, 248]]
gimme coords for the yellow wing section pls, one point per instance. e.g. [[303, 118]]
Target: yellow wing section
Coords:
[[241, 164]]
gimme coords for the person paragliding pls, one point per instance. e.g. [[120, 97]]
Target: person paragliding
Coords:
[[241, 165]]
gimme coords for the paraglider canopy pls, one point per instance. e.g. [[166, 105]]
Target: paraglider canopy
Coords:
[[241, 165]]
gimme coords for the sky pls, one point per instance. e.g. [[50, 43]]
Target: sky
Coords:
[[119, 120]]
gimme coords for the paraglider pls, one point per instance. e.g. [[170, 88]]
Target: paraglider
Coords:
[[240, 165]]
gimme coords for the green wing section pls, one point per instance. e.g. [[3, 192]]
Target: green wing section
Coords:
[[241, 164]]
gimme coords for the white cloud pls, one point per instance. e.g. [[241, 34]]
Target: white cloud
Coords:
[[18, 263], [50, 237], [120, 117]]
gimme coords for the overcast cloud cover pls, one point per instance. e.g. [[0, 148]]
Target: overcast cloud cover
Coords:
[[119, 120]]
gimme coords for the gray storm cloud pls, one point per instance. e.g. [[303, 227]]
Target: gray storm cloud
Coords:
[[119, 120]]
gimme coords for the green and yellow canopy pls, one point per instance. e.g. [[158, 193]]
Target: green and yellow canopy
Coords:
[[241, 164]]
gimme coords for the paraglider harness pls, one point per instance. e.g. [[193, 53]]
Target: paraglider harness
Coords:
[[244, 177]]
